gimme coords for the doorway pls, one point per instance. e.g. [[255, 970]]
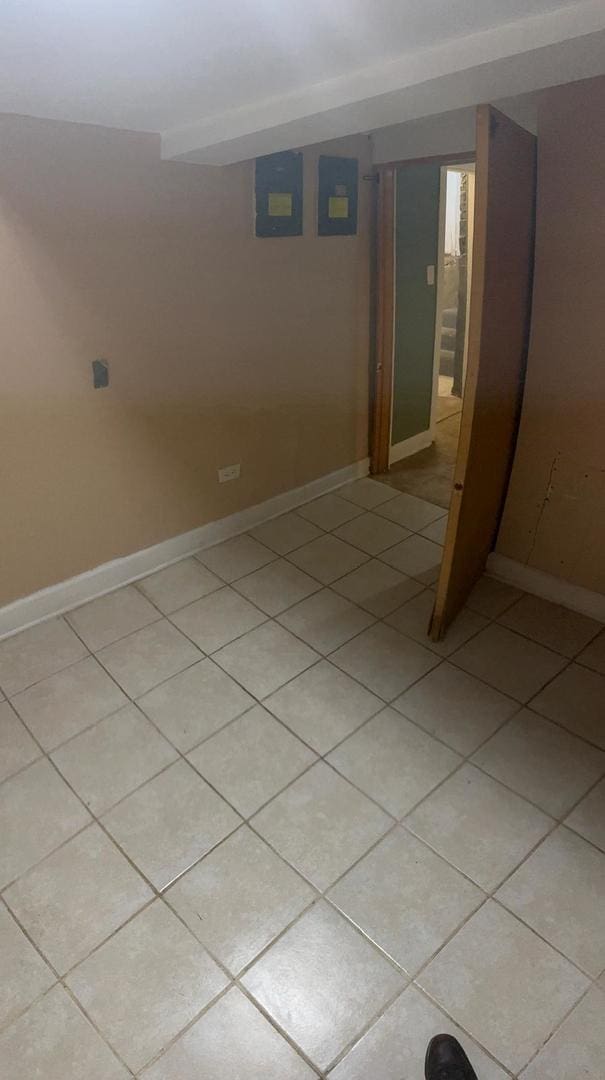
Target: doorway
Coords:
[[486, 371], [433, 230]]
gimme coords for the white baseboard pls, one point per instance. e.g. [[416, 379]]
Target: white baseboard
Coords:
[[410, 446], [548, 587], [103, 579]]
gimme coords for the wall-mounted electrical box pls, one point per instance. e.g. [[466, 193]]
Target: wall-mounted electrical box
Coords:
[[337, 196], [279, 194], [100, 374], [229, 472]]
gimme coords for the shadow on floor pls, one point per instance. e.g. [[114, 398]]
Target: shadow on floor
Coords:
[[429, 474]]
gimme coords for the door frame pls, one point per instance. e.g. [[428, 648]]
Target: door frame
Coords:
[[381, 405]]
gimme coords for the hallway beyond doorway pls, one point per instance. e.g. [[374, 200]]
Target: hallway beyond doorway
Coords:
[[429, 473]]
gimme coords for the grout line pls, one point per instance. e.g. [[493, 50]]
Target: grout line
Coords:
[[122, 637], [557, 1027], [60, 981], [159, 894], [59, 671], [375, 1018]]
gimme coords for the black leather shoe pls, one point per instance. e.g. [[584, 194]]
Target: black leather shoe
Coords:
[[446, 1060]]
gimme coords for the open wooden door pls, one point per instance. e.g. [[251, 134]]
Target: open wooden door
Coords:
[[505, 183]]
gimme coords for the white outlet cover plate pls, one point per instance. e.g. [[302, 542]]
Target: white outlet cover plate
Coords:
[[228, 472]]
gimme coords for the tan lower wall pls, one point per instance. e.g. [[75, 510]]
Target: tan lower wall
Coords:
[[554, 517], [222, 348]]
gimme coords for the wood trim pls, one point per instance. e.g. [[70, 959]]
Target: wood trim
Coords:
[[385, 311], [439, 282], [382, 383], [435, 159]]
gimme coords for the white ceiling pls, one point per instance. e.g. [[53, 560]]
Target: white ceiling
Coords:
[[182, 65]]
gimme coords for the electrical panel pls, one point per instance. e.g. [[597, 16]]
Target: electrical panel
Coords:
[[337, 196], [279, 194]]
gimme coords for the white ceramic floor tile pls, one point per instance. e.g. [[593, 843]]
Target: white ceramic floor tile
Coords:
[[252, 759], [416, 556], [457, 708], [371, 533], [194, 704], [64, 704], [406, 899], [285, 533], [24, 974], [239, 898], [393, 761], [367, 492], [479, 826], [342, 980], [277, 586], [77, 897], [501, 982], [179, 584], [588, 818], [559, 892], [37, 813], [327, 558], [414, 617], [593, 656], [169, 823], [558, 628], [265, 659], [395, 1047], [490, 597], [113, 616], [321, 825], [436, 530], [577, 1049], [509, 662], [576, 699], [323, 706], [36, 653], [542, 762], [55, 1041], [326, 620], [146, 983], [384, 660], [377, 587], [17, 748], [329, 511], [147, 657], [110, 760], [232, 1041], [412, 512], [218, 619], [236, 557]]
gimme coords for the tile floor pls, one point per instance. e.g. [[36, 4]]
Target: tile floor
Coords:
[[256, 825]]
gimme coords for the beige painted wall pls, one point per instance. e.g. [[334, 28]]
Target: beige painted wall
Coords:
[[555, 511], [222, 348]]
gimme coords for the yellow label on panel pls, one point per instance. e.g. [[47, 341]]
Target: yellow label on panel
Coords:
[[280, 204], [338, 206]]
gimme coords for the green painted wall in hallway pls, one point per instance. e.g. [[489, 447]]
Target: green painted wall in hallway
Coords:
[[416, 247]]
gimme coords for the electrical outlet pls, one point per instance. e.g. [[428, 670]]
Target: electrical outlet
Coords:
[[228, 472]]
